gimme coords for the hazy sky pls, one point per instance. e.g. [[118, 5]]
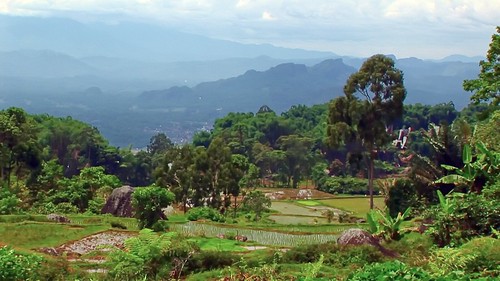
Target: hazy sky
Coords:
[[420, 28]]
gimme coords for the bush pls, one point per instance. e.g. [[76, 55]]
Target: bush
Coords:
[[446, 261], [308, 253], [9, 203], [160, 226], [334, 254], [95, 206], [145, 255], [117, 224], [487, 255], [207, 213], [402, 196], [390, 271], [15, 266], [209, 260], [66, 208], [460, 217], [412, 247], [343, 185], [354, 256], [148, 202]]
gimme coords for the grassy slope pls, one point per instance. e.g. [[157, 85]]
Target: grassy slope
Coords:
[[30, 235]]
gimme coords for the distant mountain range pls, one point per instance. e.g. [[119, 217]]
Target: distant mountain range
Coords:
[[149, 79], [131, 40], [288, 84], [278, 87]]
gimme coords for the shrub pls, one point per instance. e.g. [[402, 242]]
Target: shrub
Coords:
[[145, 255], [402, 195], [257, 203], [208, 260], [66, 208], [445, 261], [95, 205], [357, 256], [334, 254], [207, 213], [308, 253], [459, 217], [343, 185], [160, 226], [390, 271], [9, 203], [412, 247], [15, 266], [486, 251], [231, 235], [148, 202], [117, 224]]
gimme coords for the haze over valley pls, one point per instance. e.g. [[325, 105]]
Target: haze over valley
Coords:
[[134, 79]]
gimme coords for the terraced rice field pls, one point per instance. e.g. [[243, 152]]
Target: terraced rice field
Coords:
[[259, 236], [290, 219], [358, 206], [290, 208]]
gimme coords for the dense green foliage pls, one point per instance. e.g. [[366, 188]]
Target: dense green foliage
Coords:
[[393, 270], [148, 203], [487, 86], [149, 255], [206, 213], [15, 266]]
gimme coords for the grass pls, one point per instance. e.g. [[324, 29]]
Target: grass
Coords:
[[30, 235], [358, 206], [310, 203], [217, 244], [290, 208]]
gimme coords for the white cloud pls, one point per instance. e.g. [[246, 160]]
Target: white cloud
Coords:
[[267, 16], [426, 28]]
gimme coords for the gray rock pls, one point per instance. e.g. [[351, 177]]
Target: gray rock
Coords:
[[58, 218], [119, 203], [357, 236], [241, 238]]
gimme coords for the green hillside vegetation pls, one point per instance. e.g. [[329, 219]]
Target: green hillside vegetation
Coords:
[[265, 196]]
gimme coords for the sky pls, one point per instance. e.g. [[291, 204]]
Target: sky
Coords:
[[407, 28]]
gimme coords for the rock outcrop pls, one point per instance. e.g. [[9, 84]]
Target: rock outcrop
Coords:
[[357, 236], [119, 203]]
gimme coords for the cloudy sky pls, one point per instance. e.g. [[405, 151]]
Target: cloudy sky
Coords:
[[420, 28]]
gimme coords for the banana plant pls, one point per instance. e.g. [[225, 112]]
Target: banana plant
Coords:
[[382, 224], [446, 204], [476, 171]]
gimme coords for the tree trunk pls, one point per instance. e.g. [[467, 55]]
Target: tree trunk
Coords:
[[235, 206], [370, 178]]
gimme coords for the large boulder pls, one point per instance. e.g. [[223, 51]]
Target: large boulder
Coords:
[[357, 236], [119, 203]]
